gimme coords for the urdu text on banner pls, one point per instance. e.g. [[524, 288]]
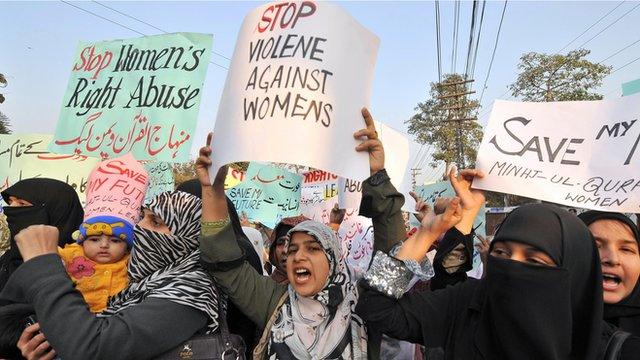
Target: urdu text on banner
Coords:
[[300, 74], [138, 95], [576, 153]]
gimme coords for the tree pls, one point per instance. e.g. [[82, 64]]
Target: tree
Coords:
[[430, 123], [3, 83], [4, 124], [558, 77]]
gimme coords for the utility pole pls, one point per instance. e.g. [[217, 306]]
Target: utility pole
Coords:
[[457, 111], [414, 173]]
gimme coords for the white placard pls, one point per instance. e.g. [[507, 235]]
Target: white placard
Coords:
[[300, 74], [576, 153]]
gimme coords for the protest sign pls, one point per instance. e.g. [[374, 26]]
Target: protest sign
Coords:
[[267, 194], [26, 156], [300, 74], [233, 178], [356, 239], [117, 187], [160, 179], [138, 95], [575, 153], [396, 153], [631, 87]]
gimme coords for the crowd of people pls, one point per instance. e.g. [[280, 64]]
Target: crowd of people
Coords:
[[555, 285]]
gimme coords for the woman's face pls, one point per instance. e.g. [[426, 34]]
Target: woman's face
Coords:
[[17, 202], [521, 252], [153, 222], [619, 257], [307, 265]]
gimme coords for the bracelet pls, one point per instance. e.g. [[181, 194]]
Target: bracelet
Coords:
[[217, 223]]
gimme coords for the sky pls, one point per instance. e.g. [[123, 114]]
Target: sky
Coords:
[[38, 41]]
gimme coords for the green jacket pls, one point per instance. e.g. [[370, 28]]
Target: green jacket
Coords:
[[257, 296]]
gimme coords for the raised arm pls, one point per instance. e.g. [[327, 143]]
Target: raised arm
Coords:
[[380, 200], [255, 295]]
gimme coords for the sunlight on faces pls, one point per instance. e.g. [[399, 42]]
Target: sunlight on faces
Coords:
[[17, 202], [104, 249], [511, 250], [619, 256], [307, 264], [153, 222]]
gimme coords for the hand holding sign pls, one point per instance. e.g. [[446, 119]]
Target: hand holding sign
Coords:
[[422, 207], [472, 199], [372, 144]]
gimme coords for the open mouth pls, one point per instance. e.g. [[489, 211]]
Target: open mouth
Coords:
[[302, 275], [610, 281]]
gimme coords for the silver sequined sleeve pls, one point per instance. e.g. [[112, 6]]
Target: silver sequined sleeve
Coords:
[[388, 275]]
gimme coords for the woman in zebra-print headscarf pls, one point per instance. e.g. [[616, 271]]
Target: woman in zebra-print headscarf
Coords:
[[164, 262], [168, 300]]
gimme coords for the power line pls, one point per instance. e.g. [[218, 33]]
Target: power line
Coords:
[[148, 24], [475, 55], [625, 65], [619, 51], [121, 25], [592, 25], [472, 28], [437, 4], [454, 49], [608, 26], [495, 46]]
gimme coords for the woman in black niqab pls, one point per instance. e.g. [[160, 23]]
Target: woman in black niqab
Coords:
[[53, 203], [522, 309], [538, 311]]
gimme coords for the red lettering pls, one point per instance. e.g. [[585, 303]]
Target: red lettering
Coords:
[[289, 17], [93, 62]]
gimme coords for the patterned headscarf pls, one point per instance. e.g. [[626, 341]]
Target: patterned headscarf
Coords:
[[167, 266], [339, 333]]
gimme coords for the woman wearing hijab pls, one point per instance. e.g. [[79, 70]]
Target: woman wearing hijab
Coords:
[[169, 298], [617, 239], [277, 253], [312, 317], [541, 297], [38, 201]]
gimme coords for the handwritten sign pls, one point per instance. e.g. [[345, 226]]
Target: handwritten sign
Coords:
[[117, 188], [302, 70], [139, 95], [26, 156], [233, 178], [268, 194], [160, 179], [356, 238], [576, 153], [631, 87]]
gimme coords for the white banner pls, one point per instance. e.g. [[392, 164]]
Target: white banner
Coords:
[[576, 153], [300, 74]]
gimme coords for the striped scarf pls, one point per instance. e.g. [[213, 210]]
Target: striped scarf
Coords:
[[164, 266]]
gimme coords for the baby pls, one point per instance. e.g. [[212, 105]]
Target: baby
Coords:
[[97, 264]]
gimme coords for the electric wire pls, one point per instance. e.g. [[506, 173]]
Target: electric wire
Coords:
[[121, 25], [592, 25]]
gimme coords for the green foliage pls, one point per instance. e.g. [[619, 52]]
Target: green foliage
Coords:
[[558, 77], [430, 127]]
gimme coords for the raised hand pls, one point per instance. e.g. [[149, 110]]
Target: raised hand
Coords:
[[372, 144], [472, 199], [422, 208], [37, 240], [337, 215], [431, 227], [202, 168]]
